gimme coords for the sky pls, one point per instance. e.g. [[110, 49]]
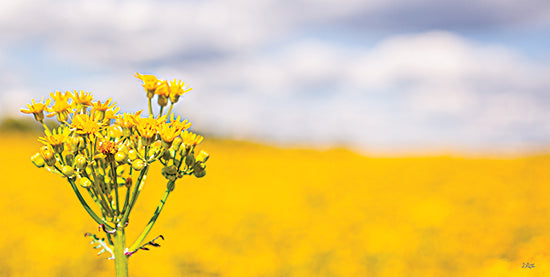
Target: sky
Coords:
[[376, 76]]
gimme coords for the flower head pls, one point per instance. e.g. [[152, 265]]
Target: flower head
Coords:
[[150, 83], [177, 89], [99, 109], [37, 109], [127, 121], [148, 128], [56, 138], [82, 100], [61, 106], [83, 124], [168, 133], [163, 91], [191, 139]]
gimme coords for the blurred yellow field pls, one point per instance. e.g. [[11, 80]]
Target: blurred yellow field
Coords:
[[264, 211]]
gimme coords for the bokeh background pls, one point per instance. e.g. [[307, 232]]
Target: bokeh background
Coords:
[[348, 138]]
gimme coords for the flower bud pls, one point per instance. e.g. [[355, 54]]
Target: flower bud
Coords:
[[155, 149], [120, 157], [68, 171], [38, 160], [78, 143], [58, 148], [126, 132], [162, 100], [80, 162], [132, 154], [138, 164], [202, 156], [85, 182], [170, 172], [69, 158], [48, 155], [198, 170], [166, 155], [114, 131], [176, 143], [190, 158], [99, 115]]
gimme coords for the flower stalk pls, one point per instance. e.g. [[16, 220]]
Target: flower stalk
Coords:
[[100, 153]]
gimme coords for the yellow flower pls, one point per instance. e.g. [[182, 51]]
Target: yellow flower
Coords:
[[127, 121], [60, 97], [163, 91], [98, 109], [37, 109], [107, 148], [56, 138], [84, 124], [168, 133], [98, 106], [176, 90], [111, 114], [191, 139], [148, 128], [178, 124], [61, 106], [150, 83], [82, 100]]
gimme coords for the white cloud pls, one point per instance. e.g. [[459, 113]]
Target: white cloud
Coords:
[[432, 89], [256, 75]]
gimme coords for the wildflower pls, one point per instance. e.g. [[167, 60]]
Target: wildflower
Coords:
[[180, 125], [168, 134], [150, 83], [176, 89], [148, 128], [82, 101], [84, 124], [61, 97], [127, 121], [107, 147], [191, 139], [99, 109], [37, 109], [61, 107], [163, 91], [56, 138]]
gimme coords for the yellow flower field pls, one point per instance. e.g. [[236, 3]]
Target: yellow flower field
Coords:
[[265, 211]]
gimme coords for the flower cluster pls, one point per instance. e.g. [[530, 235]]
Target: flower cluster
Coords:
[[108, 154]]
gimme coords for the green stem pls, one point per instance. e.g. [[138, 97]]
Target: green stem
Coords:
[[170, 110], [150, 108], [102, 193], [160, 112], [135, 194], [152, 221], [115, 183], [87, 208], [121, 260]]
